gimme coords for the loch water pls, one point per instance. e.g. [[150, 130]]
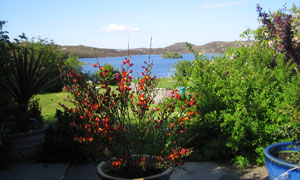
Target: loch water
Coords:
[[161, 68]]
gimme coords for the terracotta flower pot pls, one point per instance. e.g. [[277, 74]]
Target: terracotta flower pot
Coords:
[[165, 175]]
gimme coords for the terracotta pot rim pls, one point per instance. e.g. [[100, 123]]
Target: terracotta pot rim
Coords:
[[100, 173]]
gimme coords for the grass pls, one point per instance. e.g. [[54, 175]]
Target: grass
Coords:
[[49, 102], [166, 83]]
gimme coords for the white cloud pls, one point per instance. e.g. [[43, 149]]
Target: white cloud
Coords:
[[221, 5], [116, 27]]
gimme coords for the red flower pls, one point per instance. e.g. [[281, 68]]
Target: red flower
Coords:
[[116, 163], [90, 139], [124, 62], [75, 80], [183, 152], [171, 125], [159, 158], [95, 65], [191, 102], [94, 107]]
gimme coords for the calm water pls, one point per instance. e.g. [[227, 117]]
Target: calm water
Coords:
[[161, 68]]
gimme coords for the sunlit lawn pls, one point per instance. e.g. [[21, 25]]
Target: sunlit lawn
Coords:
[[49, 102]]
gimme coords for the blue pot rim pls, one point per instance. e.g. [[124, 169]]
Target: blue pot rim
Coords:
[[273, 158]]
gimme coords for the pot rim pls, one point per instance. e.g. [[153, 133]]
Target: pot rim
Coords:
[[100, 173], [31, 132], [274, 159]]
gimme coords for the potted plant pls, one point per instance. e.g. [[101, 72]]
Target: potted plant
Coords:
[[25, 72], [282, 159], [138, 138]]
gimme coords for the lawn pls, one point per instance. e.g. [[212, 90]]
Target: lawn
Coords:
[[166, 83], [49, 102]]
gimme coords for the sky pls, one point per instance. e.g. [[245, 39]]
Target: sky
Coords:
[[115, 23]]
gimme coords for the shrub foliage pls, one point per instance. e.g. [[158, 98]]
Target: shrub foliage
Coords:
[[241, 95]]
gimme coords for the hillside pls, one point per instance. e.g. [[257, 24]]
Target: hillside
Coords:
[[181, 48]]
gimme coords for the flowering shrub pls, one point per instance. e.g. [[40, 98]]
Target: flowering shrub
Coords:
[[126, 121]]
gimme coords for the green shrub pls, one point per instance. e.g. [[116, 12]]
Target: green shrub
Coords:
[[183, 70], [240, 98]]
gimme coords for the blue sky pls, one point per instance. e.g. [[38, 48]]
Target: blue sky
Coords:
[[110, 23]]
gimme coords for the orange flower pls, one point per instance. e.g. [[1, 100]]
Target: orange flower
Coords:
[[171, 125], [177, 96], [116, 163], [180, 120], [75, 80], [159, 158], [90, 139], [186, 118], [124, 74], [94, 107]]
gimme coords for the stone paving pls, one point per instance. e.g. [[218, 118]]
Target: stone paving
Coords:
[[192, 171]]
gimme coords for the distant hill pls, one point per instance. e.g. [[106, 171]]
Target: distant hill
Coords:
[[181, 48]]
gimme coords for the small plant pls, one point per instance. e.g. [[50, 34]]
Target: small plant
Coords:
[[126, 124], [291, 131]]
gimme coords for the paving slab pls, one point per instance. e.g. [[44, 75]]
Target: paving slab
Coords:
[[82, 172], [214, 171], [34, 171], [191, 171]]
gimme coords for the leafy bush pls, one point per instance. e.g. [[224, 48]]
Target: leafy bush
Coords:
[[241, 95], [240, 102], [183, 70], [59, 145]]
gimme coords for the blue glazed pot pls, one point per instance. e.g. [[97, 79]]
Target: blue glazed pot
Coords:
[[277, 167]]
